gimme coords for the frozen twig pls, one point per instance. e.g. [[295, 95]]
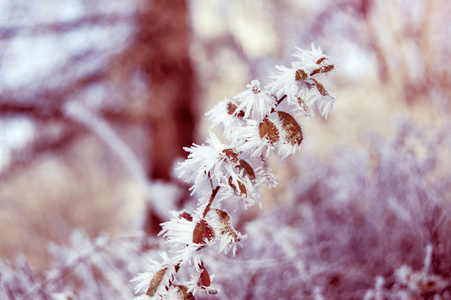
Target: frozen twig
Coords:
[[258, 123]]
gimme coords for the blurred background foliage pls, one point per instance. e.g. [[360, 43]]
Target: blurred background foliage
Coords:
[[98, 98]]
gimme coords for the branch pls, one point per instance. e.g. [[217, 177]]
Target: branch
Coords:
[[48, 102], [10, 32], [106, 133], [278, 102], [23, 158], [238, 163], [213, 195]]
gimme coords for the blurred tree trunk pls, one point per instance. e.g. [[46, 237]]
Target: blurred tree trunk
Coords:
[[162, 44], [162, 39]]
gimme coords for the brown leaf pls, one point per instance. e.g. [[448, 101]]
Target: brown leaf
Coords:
[[203, 233], [231, 155], [231, 108], [320, 88], [182, 293], [204, 279], [155, 282], [300, 75], [324, 69], [293, 130], [319, 61], [240, 185], [185, 215], [301, 101], [224, 216], [269, 131], [246, 167], [302, 104], [226, 224]]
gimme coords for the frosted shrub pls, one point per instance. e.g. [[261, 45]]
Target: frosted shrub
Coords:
[[258, 123], [83, 269], [373, 223]]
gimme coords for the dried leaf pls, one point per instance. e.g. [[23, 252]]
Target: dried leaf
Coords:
[[269, 131], [302, 104], [240, 185], [320, 88], [300, 75], [231, 155], [308, 84], [226, 224], [203, 233], [247, 169], [182, 293], [224, 216], [292, 129], [155, 282], [204, 279], [319, 61], [185, 215], [324, 69], [301, 101], [231, 108]]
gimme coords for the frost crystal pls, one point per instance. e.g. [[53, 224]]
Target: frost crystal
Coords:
[[255, 102], [226, 115]]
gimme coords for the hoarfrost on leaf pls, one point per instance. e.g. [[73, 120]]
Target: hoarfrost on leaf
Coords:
[[302, 90], [178, 231], [254, 102], [251, 141], [284, 83], [144, 279], [311, 60], [226, 115]]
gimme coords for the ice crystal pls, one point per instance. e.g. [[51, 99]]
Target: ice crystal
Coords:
[[254, 102]]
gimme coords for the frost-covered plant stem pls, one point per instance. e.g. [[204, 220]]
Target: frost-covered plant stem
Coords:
[[213, 194], [257, 124]]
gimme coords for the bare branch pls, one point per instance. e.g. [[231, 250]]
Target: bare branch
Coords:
[[11, 32]]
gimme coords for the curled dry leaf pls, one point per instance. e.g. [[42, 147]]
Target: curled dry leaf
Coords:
[[292, 128], [269, 131]]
